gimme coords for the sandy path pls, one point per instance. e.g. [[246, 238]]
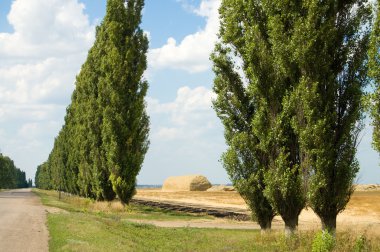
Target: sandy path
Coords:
[[199, 224], [205, 223], [22, 222]]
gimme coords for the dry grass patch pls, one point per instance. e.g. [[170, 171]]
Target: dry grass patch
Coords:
[[113, 206], [219, 197], [365, 202]]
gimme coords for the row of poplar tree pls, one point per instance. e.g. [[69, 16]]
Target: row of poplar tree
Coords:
[[100, 149], [290, 83], [10, 176]]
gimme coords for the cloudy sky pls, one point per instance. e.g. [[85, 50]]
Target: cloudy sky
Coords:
[[43, 44]]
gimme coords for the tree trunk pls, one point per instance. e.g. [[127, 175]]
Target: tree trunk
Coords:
[[266, 224], [291, 225], [329, 224]]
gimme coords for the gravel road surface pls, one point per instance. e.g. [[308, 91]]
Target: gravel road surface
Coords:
[[22, 222]]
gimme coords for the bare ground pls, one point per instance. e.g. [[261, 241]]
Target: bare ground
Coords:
[[362, 214], [22, 222]]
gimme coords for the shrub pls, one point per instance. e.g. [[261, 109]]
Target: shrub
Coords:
[[361, 244], [323, 242]]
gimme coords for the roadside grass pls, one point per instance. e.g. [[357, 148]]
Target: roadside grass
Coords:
[[114, 208], [84, 232], [83, 227]]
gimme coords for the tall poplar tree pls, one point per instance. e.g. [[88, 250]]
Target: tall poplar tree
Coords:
[[87, 121], [331, 49], [243, 161], [101, 147], [122, 90], [43, 177], [263, 158]]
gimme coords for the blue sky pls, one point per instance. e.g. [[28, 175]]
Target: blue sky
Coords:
[[42, 46]]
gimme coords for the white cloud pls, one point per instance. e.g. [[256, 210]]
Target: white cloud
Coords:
[[10, 113], [193, 52], [49, 80], [166, 133], [36, 130], [46, 28], [186, 5], [189, 115], [39, 61], [186, 137]]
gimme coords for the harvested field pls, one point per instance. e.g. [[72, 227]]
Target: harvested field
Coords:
[[361, 215], [213, 198], [221, 212]]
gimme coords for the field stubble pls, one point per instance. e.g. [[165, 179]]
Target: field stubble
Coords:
[[362, 214]]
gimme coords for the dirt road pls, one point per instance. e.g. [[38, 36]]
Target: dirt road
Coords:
[[22, 222]]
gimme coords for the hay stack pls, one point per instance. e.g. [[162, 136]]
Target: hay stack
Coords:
[[368, 187], [186, 183]]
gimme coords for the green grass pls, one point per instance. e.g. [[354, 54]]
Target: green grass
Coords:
[[83, 232], [83, 227], [113, 209]]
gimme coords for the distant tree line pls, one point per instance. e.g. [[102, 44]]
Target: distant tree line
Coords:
[[101, 147], [10, 176]]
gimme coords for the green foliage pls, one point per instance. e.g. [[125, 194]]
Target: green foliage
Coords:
[[329, 96], [242, 161], [253, 103], [323, 242], [10, 176], [374, 67], [290, 79], [125, 125], [40, 178], [362, 244], [101, 148]]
